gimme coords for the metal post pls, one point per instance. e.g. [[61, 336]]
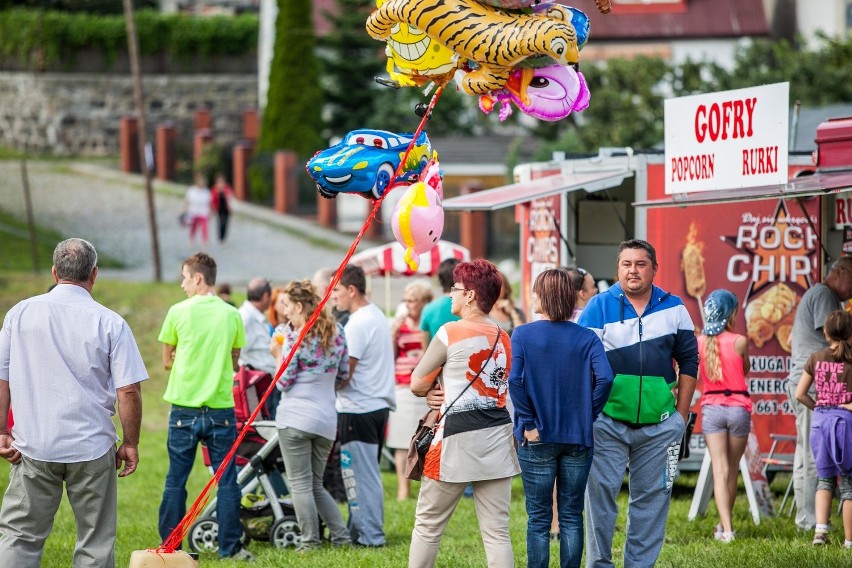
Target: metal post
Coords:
[[25, 178]]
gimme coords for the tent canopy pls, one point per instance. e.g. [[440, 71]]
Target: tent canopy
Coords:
[[389, 259]]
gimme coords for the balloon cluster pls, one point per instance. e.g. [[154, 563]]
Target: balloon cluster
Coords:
[[521, 52]]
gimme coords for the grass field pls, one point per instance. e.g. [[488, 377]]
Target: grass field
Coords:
[[774, 542]]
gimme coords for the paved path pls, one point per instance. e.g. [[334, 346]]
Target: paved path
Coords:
[[108, 208]]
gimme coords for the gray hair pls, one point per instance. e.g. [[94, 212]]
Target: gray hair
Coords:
[[74, 260], [421, 289]]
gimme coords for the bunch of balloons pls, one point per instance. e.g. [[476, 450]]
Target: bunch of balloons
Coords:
[[489, 47]]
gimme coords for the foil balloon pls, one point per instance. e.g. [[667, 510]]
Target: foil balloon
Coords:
[[550, 93], [418, 218], [495, 40], [576, 17], [414, 58], [365, 162]]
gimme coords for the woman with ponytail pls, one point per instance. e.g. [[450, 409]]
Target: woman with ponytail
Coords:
[[306, 416], [725, 402], [830, 370]]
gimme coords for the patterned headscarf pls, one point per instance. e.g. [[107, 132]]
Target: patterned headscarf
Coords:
[[718, 308]]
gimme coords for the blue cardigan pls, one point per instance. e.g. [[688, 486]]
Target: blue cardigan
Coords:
[[559, 382]]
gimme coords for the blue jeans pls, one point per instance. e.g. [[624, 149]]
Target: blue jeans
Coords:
[[217, 429], [566, 465]]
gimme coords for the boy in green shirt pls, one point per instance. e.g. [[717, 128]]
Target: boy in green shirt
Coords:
[[202, 337]]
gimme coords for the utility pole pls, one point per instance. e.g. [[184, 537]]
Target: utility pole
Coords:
[[140, 111]]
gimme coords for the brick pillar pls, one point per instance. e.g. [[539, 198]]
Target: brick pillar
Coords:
[[241, 160], [326, 212], [286, 182], [473, 226], [128, 141], [251, 124], [166, 151], [203, 119], [202, 138]]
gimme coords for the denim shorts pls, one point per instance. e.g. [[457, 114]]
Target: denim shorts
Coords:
[[716, 419]]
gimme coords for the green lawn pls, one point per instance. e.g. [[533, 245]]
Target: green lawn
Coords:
[[774, 543]]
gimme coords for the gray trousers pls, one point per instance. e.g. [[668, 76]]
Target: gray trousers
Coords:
[[359, 465], [33, 496], [305, 456], [804, 468], [651, 453]]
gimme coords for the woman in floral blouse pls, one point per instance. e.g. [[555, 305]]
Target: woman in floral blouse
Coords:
[[306, 417]]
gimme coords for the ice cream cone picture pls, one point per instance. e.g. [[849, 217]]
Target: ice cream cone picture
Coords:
[[692, 266]]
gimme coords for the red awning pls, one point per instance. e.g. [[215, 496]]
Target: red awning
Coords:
[[824, 183], [508, 195]]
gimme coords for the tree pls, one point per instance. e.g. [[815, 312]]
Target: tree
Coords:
[[351, 60], [292, 119]]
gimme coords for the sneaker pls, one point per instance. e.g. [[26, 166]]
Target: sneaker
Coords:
[[243, 555], [820, 538]]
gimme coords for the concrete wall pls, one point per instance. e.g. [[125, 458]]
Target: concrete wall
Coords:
[[62, 114]]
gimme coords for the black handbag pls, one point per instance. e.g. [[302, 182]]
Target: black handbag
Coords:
[[691, 417]]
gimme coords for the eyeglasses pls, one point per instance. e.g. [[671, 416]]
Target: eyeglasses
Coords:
[[582, 271], [454, 289]]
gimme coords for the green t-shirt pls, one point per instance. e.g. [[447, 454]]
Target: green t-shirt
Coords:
[[204, 329], [435, 314]]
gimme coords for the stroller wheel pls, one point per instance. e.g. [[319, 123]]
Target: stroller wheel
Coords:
[[204, 535], [285, 532]]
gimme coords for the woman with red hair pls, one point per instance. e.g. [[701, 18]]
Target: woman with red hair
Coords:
[[473, 441]]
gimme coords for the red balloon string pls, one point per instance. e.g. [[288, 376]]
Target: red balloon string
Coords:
[[174, 540]]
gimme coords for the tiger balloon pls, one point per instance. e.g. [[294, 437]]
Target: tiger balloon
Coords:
[[495, 40]]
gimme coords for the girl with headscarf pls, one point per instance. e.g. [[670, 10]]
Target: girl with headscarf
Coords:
[[725, 402]]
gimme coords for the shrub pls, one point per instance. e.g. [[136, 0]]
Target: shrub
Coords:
[[39, 40]]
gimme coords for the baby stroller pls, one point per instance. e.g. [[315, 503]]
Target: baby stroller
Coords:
[[267, 517]]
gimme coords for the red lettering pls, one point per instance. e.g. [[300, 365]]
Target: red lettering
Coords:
[[840, 213], [731, 118]]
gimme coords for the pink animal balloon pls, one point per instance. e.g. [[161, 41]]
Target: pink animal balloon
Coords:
[[548, 93], [418, 218]]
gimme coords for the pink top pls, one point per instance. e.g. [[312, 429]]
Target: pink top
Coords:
[[732, 373]]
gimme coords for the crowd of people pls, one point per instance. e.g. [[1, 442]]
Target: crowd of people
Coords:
[[596, 388]]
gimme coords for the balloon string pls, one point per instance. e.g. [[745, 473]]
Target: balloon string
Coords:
[[174, 540]]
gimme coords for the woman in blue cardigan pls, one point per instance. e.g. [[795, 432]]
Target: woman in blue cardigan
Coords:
[[559, 382]]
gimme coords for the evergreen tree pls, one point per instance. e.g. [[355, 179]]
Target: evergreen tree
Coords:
[[351, 60], [292, 119]]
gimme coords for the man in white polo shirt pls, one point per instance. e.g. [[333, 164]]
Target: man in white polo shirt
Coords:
[[64, 362], [363, 404]]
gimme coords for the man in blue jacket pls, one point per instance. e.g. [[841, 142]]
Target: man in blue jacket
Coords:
[[643, 329]]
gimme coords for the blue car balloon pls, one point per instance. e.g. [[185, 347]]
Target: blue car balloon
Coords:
[[365, 161]]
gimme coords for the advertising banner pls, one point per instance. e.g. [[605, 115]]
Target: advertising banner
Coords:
[[766, 253], [727, 139], [541, 247]]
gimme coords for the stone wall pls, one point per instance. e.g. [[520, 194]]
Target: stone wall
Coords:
[[78, 114]]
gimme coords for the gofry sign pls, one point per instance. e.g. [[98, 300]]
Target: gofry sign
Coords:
[[727, 139]]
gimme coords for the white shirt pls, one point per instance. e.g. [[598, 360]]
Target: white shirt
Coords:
[[256, 352], [64, 355], [372, 387], [198, 201]]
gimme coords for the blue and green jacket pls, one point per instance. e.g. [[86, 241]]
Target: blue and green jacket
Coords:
[[642, 351]]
